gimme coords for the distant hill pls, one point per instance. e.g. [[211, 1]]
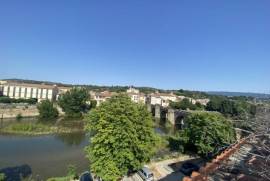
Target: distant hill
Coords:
[[246, 94], [36, 82]]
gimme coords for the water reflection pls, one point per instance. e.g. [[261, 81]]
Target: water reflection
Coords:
[[47, 155], [17, 173], [71, 139]]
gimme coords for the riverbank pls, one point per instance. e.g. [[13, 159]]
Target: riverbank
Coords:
[[36, 129], [34, 126], [12, 110]]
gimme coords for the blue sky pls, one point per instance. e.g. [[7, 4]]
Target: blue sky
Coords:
[[197, 45]]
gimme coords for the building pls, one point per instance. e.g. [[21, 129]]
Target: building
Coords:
[[136, 96], [101, 96], [27, 91], [133, 90], [162, 99], [62, 90], [203, 101], [2, 82]]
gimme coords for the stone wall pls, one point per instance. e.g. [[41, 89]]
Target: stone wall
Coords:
[[12, 110]]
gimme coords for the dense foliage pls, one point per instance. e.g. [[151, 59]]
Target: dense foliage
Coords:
[[123, 137], [2, 177], [47, 110], [11, 100], [186, 104], [192, 94], [73, 102], [238, 108], [206, 132]]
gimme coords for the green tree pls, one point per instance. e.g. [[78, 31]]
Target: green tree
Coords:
[[2, 176], [93, 104], [73, 102], [186, 104], [123, 137], [47, 110], [207, 132]]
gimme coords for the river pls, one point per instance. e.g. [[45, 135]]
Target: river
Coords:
[[47, 155]]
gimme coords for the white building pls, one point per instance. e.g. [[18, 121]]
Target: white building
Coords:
[[27, 91], [203, 101], [101, 96], [162, 99], [136, 96]]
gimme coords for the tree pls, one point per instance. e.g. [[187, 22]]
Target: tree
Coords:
[[2, 176], [207, 132], [123, 137], [234, 108], [93, 104], [185, 104], [73, 102], [47, 110]]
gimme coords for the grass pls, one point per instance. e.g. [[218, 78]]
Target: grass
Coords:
[[60, 179], [36, 129]]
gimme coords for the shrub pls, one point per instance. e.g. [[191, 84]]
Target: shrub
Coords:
[[19, 116], [47, 110], [2, 176]]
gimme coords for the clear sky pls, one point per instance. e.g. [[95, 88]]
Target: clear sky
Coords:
[[171, 44]]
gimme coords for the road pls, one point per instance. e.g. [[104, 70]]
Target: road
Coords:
[[166, 170]]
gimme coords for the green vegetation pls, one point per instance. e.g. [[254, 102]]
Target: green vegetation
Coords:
[[206, 133], [237, 109], [11, 100], [38, 128], [19, 117], [71, 175], [186, 104], [192, 94], [47, 110], [93, 104], [123, 137], [2, 177], [73, 102], [27, 128], [71, 171]]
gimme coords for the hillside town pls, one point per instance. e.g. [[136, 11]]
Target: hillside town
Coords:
[[24, 99], [130, 90], [41, 92]]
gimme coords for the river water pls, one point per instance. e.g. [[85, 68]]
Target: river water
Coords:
[[47, 155]]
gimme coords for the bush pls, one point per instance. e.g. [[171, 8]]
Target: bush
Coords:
[[47, 110], [19, 116], [11, 100], [2, 176]]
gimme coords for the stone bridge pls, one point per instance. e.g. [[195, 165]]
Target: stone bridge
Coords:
[[174, 116]]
